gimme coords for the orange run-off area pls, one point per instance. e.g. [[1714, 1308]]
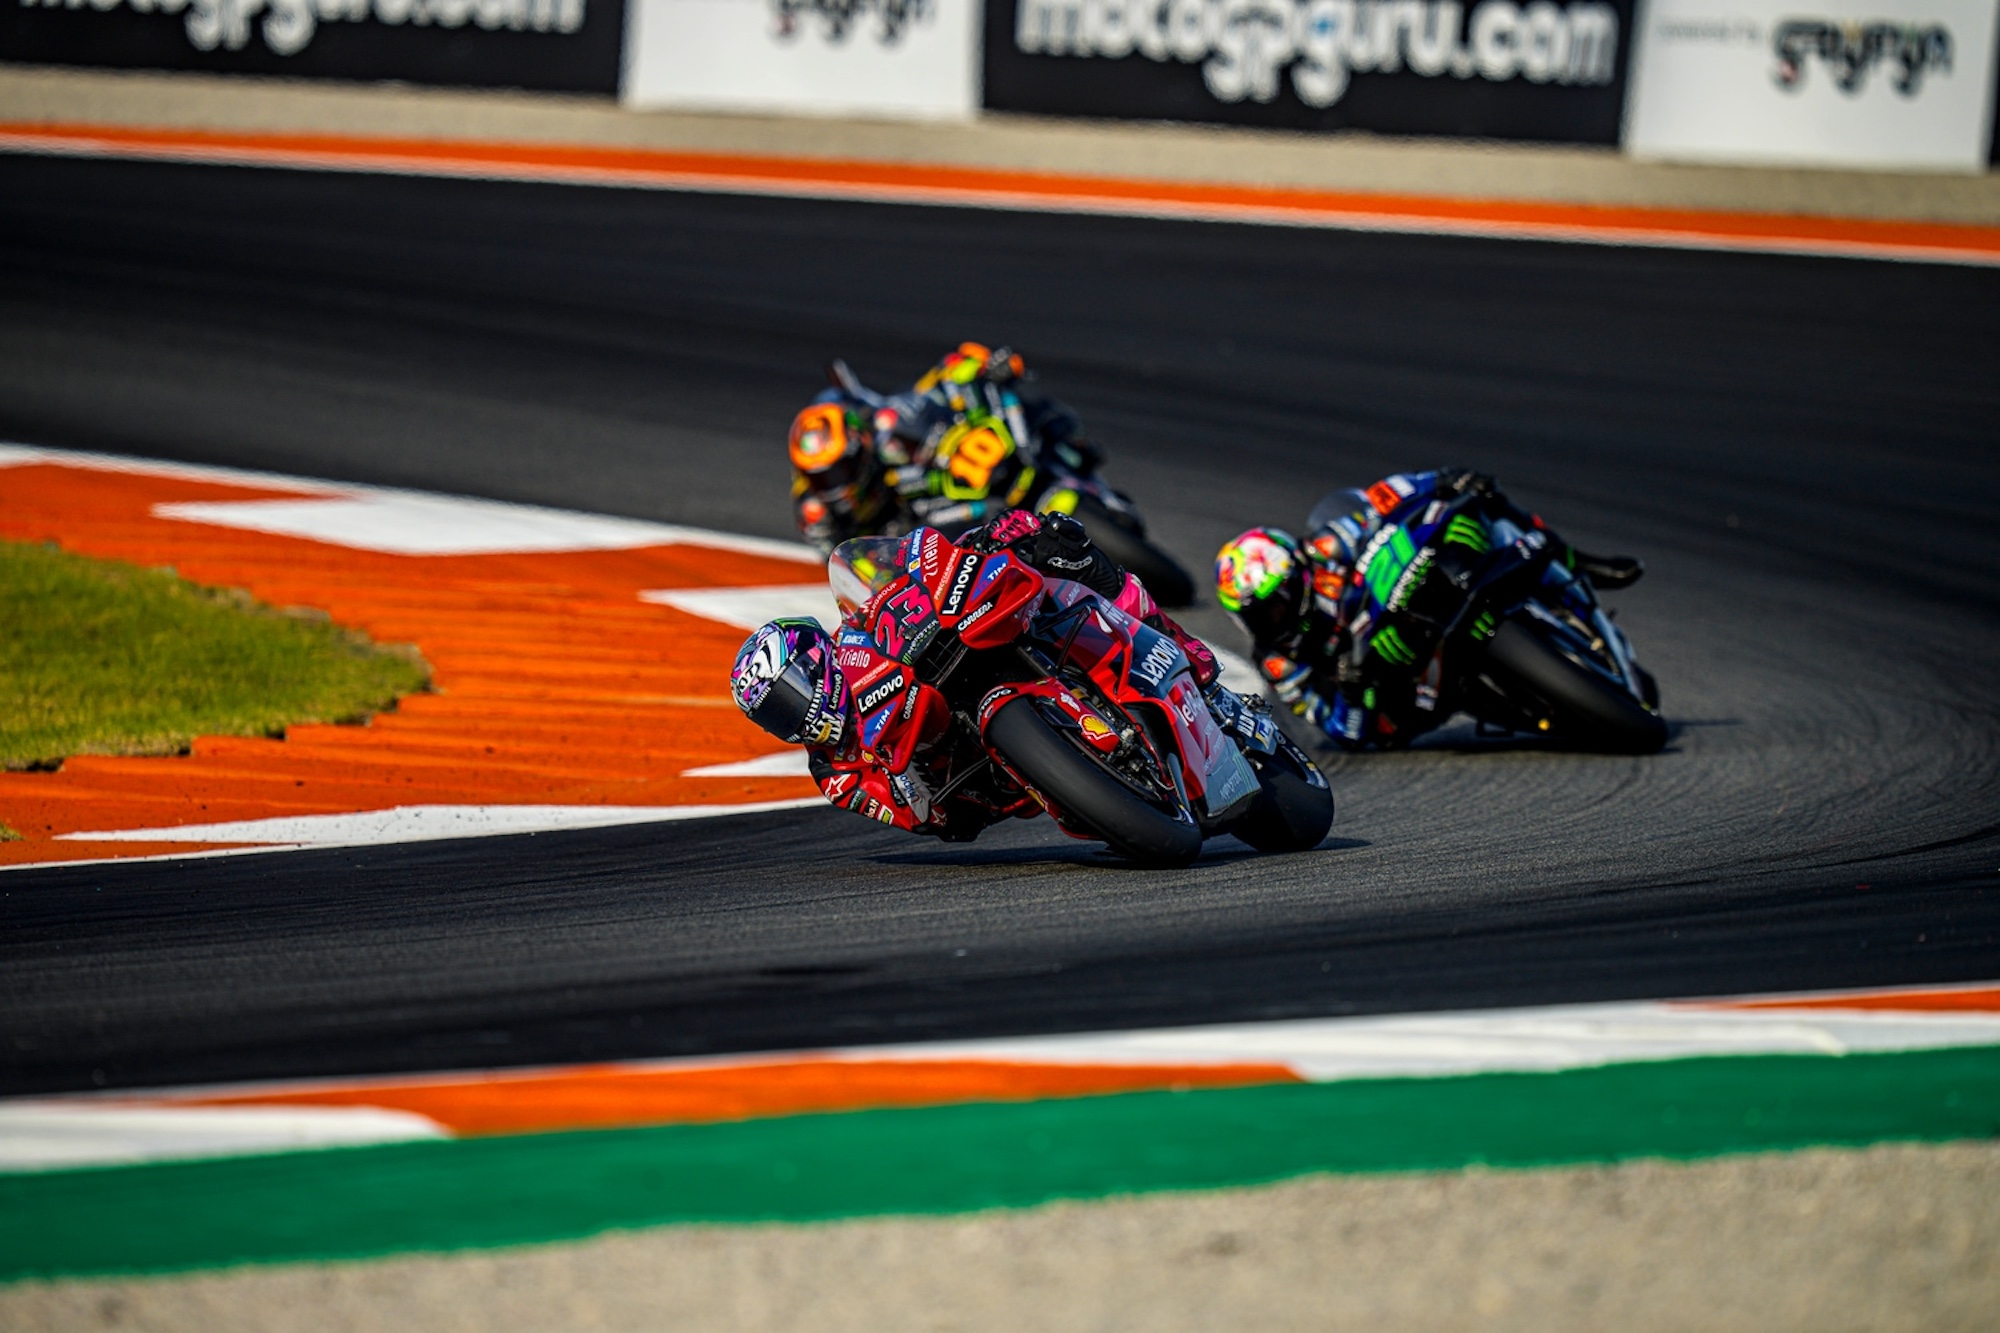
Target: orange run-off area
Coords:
[[554, 684]]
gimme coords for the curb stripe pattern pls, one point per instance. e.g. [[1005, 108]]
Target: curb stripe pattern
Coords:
[[560, 697], [894, 183], [519, 1189], [130, 1127]]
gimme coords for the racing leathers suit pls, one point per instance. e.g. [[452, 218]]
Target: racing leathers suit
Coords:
[[886, 785], [1368, 682]]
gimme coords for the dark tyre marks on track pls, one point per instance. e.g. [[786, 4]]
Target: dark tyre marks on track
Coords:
[[1802, 450]]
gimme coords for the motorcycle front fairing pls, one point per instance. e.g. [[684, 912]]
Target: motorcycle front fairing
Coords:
[[1125, 657]]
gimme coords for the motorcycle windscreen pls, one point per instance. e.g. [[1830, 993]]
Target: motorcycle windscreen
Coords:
[[861, 567]]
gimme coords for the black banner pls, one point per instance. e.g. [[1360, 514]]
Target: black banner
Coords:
[[1550, 70], [547, 45]]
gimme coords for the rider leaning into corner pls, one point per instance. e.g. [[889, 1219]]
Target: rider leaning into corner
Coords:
[[795, 682], [855, 458], [1299, 602]]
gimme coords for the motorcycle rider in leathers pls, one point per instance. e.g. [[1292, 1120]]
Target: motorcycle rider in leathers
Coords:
[[1297, 599], [795, 682], [856, 459]]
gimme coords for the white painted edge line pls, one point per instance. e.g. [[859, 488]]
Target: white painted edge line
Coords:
[[1540, 1039], [747, 608], [109, 1129], [427, 823], [379, 517], [791, 763], [54, 1134], [1020, 201]]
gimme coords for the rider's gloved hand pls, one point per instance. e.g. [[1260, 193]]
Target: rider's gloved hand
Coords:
[[1011, 528], [1004, 365], [1288, 682], [1609, 571], [1061, 545], [1464, 481]]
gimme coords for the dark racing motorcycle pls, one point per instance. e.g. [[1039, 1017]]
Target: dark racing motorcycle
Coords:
[[1060, 700], [1008, 452], [1523, 643]]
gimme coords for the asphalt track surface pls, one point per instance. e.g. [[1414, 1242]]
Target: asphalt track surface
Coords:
[[1803, 451]]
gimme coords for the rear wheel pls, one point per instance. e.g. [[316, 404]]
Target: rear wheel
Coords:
[[1570, 702], [1076, 781], [1126, 542], [1292, 811]]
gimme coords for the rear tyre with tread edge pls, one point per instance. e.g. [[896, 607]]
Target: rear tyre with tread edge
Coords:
[[1292, 813], [1585, 710], [1080, 785], [1169, 584]]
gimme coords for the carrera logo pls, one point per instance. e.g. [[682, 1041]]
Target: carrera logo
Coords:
[[976, 614], [888, 689], [961, 583]]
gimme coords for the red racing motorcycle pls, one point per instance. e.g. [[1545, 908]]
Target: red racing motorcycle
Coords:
[[1061, 701]]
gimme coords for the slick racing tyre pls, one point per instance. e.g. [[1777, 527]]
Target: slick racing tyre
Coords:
[[1089, 794], [1581, 706], [1116, 536], [1294, 806]]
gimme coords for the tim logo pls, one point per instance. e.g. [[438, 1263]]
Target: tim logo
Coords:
[[837, 18], [1850, 50]]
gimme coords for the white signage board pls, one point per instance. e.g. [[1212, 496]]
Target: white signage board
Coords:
[[1852, 83], [899, 58]]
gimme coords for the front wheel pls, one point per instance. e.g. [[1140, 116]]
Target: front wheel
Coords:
[[1294, 806], [1125, 542], [1088, 794], [1569, 702]]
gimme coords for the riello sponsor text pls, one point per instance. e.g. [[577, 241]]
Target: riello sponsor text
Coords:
[[1245, 47]]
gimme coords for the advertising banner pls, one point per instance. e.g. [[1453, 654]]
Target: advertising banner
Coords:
[[1856, 83], [1543, 69], [810, 57], [547, 45]]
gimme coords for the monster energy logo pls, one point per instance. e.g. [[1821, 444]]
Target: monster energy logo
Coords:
[[1483, 627], [1466, 530], [1389, 564], [1392, 648]]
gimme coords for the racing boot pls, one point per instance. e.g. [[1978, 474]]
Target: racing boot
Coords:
[[1608, 571]]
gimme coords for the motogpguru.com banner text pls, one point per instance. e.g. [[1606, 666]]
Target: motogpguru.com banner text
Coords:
[[1542, 70]]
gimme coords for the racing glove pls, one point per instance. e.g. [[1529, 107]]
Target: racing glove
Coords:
[[1464, 481], [1290, 682], [1608, 571]]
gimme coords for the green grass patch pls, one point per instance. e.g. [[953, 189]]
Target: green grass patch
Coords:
[[103, 657], [521, 1189]]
